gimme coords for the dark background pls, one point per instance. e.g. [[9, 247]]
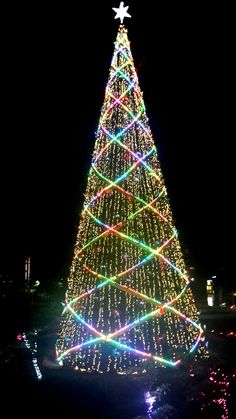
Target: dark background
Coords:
[[55, 62]]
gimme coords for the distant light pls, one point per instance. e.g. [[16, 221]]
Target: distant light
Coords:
[[210, 301], [192, 279]]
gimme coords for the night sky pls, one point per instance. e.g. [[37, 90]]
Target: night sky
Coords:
[[55, 62]]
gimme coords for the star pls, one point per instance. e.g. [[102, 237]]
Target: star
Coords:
[[121, 12]]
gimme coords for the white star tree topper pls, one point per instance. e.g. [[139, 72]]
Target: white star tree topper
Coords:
[[121, 12]]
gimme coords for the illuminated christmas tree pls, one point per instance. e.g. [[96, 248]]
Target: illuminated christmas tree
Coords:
[[128, 297]]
